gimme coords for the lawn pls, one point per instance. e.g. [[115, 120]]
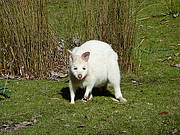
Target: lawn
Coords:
[[42, 107]]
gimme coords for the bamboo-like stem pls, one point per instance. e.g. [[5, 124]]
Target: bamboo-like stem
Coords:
[[28, 45]]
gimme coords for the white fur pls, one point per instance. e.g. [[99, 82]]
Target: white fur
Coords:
[[98, 69]]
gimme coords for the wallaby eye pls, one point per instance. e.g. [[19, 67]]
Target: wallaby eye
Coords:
[[84, 68], [75, 68]]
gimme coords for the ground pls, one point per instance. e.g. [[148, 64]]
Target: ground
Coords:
[[42, 107]]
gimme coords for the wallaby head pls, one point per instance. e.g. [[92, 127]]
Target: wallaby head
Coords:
[[79, 65]]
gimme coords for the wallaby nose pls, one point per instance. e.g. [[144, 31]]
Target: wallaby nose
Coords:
[[80, 76]]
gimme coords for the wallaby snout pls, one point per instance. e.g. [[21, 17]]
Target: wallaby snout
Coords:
[[80, 76]]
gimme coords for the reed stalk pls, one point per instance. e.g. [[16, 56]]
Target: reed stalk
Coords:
[[28, 44], [113, 21]]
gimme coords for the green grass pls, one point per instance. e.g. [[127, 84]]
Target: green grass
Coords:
[[156, 89], [54, 114]]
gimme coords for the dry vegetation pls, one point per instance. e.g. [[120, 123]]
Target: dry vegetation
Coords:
[[29, 47], [114, 22]]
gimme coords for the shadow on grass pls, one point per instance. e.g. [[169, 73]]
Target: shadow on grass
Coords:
[[80, 93]]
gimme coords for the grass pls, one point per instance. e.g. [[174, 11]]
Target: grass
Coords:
[[54, 114], [153, 94]]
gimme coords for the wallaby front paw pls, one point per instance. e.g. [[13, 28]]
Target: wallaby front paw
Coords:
[[85, 100]]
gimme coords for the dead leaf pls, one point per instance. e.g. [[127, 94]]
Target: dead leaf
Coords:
[[175, 79], [170, 59], [136, 82], [177, 55], [81, 126], [164, 21], [175, 15], [163, 112], [11, 126], [175, 65], [174, 132]]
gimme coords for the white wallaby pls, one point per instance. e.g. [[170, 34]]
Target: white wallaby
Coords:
[[94, 64]]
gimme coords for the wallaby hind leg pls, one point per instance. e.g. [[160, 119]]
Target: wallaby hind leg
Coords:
[[114, 79], [118, 94]]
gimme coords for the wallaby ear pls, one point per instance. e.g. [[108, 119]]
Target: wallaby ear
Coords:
[[85, 56], [71, 55]]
